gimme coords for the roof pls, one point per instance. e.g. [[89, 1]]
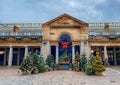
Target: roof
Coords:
[[65, 15]]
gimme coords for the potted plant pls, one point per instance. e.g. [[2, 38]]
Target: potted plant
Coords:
[[64, 59], [98, 66]]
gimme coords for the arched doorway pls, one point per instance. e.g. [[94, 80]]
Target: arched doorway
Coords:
[[65, 38]]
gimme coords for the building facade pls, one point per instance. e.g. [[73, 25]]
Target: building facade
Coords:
[[17, 40]]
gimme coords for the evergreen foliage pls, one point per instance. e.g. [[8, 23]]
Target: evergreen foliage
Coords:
[[83, 61], [77, 58], [89, 66], [98, 65], [27, 65], [50, 60], [64, 57], [33, 63]]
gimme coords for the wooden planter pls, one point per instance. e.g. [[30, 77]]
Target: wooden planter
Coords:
[[64, 62], [26, 72], [35, 71], [98, 73]]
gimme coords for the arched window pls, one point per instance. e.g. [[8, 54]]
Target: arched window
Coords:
[[65, 38]]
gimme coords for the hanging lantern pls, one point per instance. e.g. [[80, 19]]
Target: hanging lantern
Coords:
[[64, 44]]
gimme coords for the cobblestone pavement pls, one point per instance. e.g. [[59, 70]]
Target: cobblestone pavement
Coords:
[[10, 76], [115, 67]]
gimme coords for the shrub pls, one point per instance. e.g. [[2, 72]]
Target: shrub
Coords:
[[89, 69], [83, 61]]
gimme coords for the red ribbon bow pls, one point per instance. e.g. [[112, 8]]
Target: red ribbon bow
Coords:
[[64, 44]]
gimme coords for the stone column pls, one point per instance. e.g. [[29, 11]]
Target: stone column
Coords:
[[105, 56], [73, 54], [82, 48], [26, 52], [10, 56], [85, 48], [45, 50], [105, 52], [57, 55]]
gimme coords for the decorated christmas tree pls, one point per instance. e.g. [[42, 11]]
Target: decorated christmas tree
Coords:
[[98, 65], [26, 65]]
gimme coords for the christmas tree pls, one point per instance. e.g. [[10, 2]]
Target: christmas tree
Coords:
[[26, 65], [98, 65]]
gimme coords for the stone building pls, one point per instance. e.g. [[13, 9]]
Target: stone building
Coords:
[[17, 40]]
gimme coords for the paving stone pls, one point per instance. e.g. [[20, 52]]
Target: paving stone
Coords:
[[111, 77]]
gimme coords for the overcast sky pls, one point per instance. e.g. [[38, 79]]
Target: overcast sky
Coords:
[[44, 10]]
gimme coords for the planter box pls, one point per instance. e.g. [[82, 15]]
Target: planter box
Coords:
[[64, 62]]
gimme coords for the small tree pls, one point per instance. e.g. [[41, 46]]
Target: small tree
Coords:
[[91, 59], [27, 65], [50, 60], [83, 61], [98, 65], [41, 65], [89, 69], [33, 64], [89, 66]]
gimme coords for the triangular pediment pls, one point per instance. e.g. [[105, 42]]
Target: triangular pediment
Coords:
[[65, 20]]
